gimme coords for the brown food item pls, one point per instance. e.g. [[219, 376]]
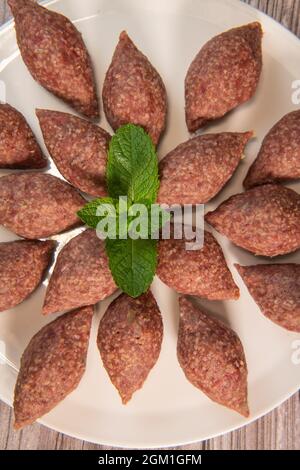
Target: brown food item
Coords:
[[276, 290], [212, 357], [224, 74], [279, 156], [22, 267], [38, 205], [201, 272], [18, 146], [52, 365], [264, 220], [133, 91], [78, 148], [55, 55], [129, 341], [81, 275], [196, 171]]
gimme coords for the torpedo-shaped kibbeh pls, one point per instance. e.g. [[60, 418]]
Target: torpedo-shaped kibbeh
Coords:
[[55, 55], [279, 157], [276, 290], [79, 149], [18, 146], [202, 272], [129, 341], [81, 275], [38, 205], [22, 266], [224, 74], [133, 91], [196, 170], [212, 358], [264, 220], [52, 365]]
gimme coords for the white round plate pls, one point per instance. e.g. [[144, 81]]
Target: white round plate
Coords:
[[168, 410]]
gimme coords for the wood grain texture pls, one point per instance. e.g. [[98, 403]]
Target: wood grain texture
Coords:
[[278, 430]]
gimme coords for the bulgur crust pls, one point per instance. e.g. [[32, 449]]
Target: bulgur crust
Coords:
[[196, 170], [129, 341], [78, 148], [276, 290], [201, 272], [52, 365], [81, 275], [224, 74], [133, 91], [279, 157], [22, 267], [18, 146], [264, 220], [212, 357], [55, 55], [38, 205]]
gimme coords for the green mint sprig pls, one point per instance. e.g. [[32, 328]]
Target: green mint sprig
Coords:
[[132, 263], [89, 213], [132, 167], [132, 171]]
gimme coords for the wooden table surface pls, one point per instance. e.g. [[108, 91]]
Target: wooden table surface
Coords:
[[280, 429]]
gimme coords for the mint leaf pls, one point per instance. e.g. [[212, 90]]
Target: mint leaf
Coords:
[[89, 214], [132, 171], [132, 168], [132, 264]]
